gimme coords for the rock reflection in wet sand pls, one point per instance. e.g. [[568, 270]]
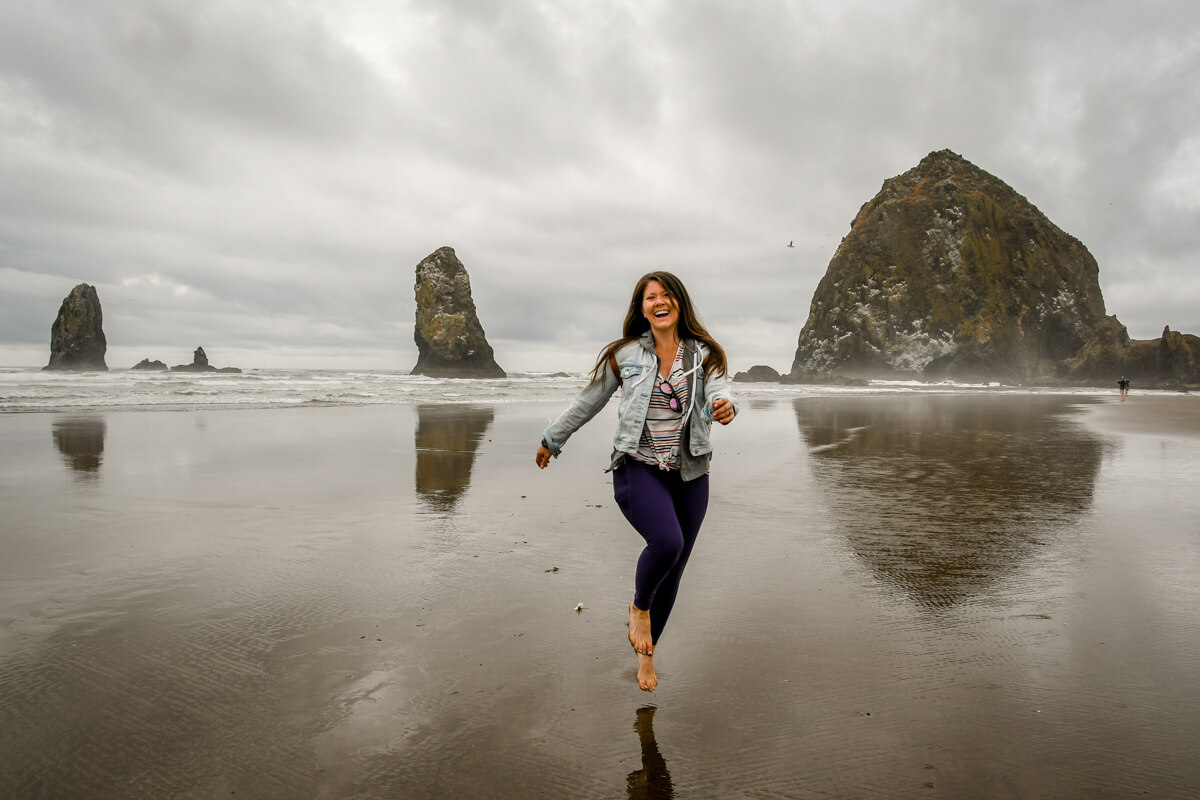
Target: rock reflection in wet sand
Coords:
[[944, 495], [81, 442], [447, 438]]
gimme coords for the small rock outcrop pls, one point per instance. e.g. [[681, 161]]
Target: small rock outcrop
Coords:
[[450, 340], [1178, 357], [1170, 362], [200, 364], [77, 336], [759, 373], [146, 363], [950, 273]]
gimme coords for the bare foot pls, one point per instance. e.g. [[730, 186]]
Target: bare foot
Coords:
[[639, 629], [646, 677]]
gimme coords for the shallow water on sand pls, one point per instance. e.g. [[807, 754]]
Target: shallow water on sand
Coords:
[[929, 595]]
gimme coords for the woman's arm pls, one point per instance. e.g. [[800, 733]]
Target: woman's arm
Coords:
[[586, 405], [722, 406]]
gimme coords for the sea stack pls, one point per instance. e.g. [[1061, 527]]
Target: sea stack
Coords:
[[759, 373], [950, 273], [77, 336], [199, 364], [450, 340], [147, 364]]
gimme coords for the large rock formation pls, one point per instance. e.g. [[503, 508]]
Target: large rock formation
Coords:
[[948, 272], [77, 336], [450, 340]]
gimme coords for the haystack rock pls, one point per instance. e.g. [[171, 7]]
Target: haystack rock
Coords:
[[948, 272], [450, 340], [77, 336]]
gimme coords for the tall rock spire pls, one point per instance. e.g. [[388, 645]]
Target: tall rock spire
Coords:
[[77, 336], [450, 340]]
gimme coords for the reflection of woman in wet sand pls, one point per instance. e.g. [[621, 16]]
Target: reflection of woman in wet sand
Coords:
[[653, 780], [672, 376]]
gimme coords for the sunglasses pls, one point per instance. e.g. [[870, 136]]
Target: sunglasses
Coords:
[[666, 388]]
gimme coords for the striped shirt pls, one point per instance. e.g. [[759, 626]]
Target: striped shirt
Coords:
[[663, 430]]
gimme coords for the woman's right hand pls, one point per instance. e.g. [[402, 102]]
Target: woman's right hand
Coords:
[[543, 456]]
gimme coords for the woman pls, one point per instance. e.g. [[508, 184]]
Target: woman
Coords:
[[672, 376]]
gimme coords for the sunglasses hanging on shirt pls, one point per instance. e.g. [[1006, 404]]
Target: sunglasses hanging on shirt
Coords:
[[666, 388]]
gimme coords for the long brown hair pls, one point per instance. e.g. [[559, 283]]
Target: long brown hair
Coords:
[[690, 326]]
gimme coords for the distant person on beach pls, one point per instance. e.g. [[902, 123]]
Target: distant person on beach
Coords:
[[673, 380], [1123, 383]]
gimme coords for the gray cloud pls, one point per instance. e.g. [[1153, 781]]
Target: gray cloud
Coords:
[[263, 179]]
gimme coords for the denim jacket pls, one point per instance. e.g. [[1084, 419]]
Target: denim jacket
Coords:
[[638, 365]]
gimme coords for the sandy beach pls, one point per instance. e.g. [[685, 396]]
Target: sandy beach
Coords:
[[944, 596]]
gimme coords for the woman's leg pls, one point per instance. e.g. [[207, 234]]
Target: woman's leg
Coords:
[[645, 499], [691, 503], [644, 495], [667, 512]]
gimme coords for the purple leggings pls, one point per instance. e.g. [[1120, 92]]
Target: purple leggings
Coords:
[[667, 512]]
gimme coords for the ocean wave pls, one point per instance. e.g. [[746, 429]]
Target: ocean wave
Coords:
[[33, 390]]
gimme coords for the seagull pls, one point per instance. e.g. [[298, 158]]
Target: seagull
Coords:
[[791, 243]]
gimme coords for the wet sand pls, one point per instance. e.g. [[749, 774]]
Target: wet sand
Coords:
[[1160, 414], [905, 596]]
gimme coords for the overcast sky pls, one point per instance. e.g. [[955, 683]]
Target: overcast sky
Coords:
[[262, 178]]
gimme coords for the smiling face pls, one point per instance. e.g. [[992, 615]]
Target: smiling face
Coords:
[[660, 308]]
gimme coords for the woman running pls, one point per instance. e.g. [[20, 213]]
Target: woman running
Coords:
[[673, 380]]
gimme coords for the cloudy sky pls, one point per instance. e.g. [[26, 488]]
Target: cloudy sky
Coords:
[[261, 177]]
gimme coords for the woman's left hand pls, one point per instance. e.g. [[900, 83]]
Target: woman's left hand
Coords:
[[723, 411]]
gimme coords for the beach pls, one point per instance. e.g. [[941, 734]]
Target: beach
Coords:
[[991, 595]]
